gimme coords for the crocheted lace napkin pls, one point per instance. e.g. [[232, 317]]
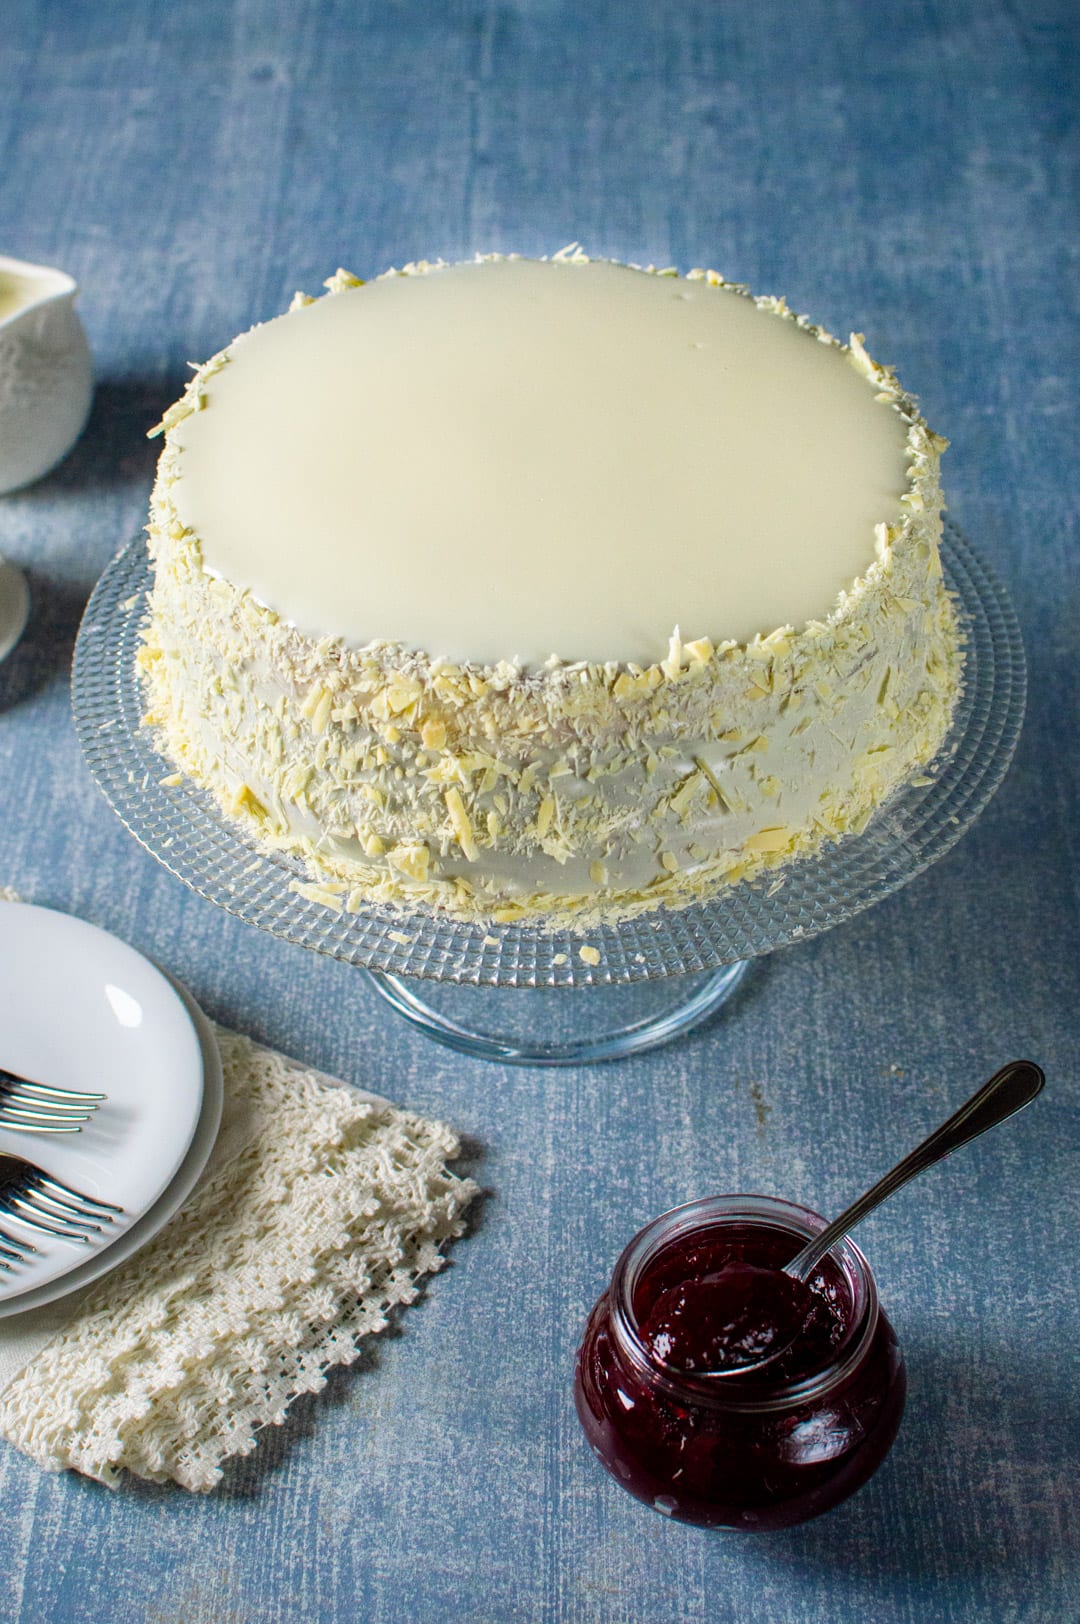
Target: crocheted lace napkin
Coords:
[[320, 1210]]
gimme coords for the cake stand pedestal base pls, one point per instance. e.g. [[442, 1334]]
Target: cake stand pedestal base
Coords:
[[635, 1038]]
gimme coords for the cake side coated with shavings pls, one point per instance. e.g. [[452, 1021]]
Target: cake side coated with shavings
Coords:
[[576, 793]]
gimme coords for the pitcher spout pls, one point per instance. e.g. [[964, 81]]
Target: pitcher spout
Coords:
[[25, 287]]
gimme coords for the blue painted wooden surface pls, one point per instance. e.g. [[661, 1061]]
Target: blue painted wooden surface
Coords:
[[909, 170]]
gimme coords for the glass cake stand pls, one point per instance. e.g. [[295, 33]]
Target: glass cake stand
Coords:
[[711, 942]]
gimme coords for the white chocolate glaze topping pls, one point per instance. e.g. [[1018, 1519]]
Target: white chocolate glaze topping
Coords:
[[510, 459]]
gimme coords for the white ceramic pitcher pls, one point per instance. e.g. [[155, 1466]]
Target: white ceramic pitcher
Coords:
[[45, 374]]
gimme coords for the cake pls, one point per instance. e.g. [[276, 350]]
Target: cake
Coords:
[[553, 590]]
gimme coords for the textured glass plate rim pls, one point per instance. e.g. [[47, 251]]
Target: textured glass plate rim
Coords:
[[184, 829]]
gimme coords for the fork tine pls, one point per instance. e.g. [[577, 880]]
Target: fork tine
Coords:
[[14, 1245], [10, 1080], [66, 1220], [61, 1190], [19, 1119], [26, 1212], [17, 1207], [29, 1100], [34, 1127], [21, 1113], [69, 1212], [19, 1108], [16, 1100]]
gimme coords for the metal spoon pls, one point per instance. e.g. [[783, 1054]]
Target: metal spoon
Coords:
[[1008, 1091]]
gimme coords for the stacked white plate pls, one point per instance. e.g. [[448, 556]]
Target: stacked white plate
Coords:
[[82, 1010]]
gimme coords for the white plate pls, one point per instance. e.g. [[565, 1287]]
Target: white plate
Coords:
[[172, 1199], [81, 1009]]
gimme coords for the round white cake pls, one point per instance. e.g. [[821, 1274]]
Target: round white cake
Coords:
[[546, 589]]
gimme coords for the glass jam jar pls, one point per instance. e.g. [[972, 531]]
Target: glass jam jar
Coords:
[[758, 1451]]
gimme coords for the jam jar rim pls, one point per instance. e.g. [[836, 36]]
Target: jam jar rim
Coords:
[[725, 1391]]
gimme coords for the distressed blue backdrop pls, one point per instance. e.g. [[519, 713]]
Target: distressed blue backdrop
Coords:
[[909, 170]]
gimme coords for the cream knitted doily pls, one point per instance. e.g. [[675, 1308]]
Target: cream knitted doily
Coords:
[[274, 1269]]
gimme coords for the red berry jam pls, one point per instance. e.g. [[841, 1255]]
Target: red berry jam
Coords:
[[723, 1314], [700, 1292]]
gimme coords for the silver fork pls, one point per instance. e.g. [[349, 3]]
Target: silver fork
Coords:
[[28, 1107], [33, 1197]]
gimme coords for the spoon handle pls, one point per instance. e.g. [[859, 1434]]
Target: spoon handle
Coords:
[[1009, 1090]]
